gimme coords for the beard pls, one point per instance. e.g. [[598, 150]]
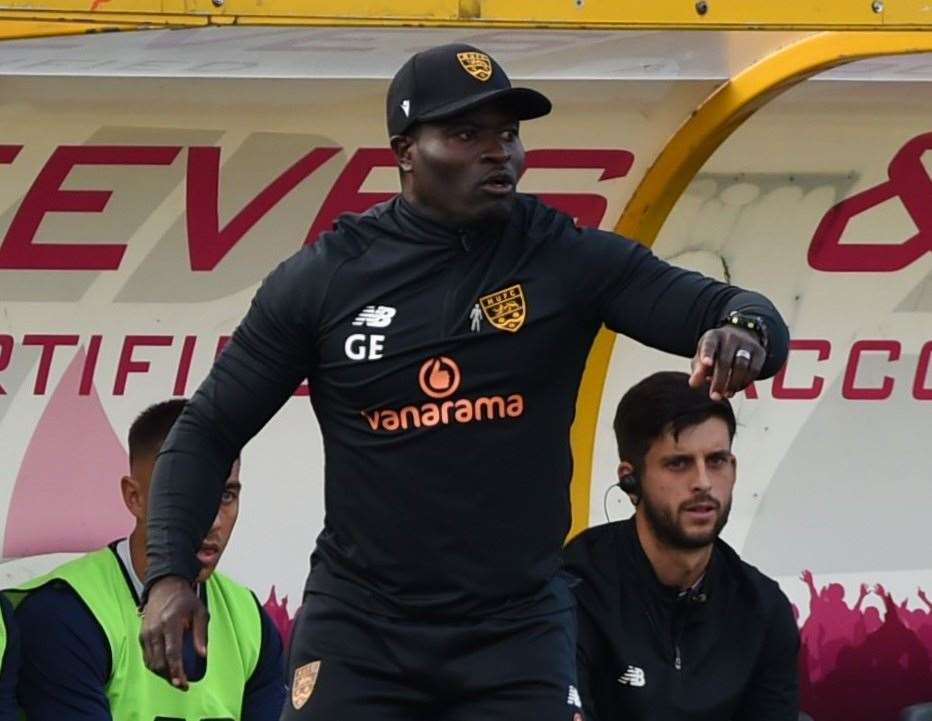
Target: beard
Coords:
[[668, 528]]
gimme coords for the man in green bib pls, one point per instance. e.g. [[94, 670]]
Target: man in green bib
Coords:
[[80, 624]]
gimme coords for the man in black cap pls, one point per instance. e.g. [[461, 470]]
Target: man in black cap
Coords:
[[445, 333]]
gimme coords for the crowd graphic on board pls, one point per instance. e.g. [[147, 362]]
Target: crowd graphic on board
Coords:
[[278, 612], [862, 663]]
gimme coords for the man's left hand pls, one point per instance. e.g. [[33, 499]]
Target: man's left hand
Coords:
[[729, 359]]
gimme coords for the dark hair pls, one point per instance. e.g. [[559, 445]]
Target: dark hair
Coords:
[[151, 427], [663, 403]]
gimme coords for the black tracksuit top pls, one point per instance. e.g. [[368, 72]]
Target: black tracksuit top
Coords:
[[726, 652], [444, 366]]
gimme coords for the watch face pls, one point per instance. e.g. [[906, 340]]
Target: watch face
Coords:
[[752, 323]]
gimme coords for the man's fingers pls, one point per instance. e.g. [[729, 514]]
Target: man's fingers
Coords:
[[704, 359], [757, 363], [173, 632], [154, 651], [199, 629], [728, 344], [740, 370]]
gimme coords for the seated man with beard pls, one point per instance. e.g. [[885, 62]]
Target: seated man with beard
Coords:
[[672, 623]]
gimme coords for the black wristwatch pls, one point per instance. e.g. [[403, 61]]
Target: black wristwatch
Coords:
[[753, 323]]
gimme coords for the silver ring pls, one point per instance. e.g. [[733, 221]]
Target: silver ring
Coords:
[[743, 353]]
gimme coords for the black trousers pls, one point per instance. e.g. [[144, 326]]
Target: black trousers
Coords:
[[346, 664]]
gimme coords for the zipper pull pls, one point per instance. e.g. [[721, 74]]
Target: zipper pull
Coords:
[[678, 659], [464, 240]]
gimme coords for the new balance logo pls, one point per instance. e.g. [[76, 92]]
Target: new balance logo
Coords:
[[633, 676], [573, 699], [375, 316]]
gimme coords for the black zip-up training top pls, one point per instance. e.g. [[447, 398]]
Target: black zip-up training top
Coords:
[[725, 652], [444, 367]]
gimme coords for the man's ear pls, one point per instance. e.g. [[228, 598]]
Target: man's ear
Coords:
[[627, 471], [133, 496], [402, 147]]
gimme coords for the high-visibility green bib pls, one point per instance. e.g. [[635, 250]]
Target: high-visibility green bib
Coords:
[[234, 634], [2, 637]]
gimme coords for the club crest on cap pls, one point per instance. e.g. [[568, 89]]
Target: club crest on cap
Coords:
[[479, 65]]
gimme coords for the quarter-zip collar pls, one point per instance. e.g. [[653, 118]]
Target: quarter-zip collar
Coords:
[[416, 226]]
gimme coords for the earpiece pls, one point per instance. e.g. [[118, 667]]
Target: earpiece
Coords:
[[630, 483]]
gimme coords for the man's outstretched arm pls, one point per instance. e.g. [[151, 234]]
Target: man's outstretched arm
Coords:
[[271, 352], [678, 311]]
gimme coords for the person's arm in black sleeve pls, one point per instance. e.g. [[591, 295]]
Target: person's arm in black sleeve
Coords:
[[271, 352], [9, 671], [265, 690], [65, 658], [773, 692], [633, 292]]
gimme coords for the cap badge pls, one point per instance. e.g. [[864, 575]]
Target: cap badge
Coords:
[[479, 65]]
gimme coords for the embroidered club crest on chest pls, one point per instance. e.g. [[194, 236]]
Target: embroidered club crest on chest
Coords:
[[476, 64], [302, 686], [505, 309]]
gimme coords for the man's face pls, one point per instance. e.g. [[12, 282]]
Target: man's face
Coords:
[[219, 535], [464, 169], [687, 483]]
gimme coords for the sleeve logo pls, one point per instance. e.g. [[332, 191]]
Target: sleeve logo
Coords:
[[302, 686], [505, 309]]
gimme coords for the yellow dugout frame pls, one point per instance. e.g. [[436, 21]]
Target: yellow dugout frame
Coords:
[[848, 30]]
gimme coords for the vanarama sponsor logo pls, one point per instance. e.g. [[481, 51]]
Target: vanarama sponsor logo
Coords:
[[439, 379]]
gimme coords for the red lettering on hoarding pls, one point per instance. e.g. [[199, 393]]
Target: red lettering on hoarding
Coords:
[[859, 393], [49, 343], [781, 390], [345, 195], [921, 391], [90, 365], [910, 182], [46, 195], [6, 355], [127, 365], [174, 370], [207, 243], [8, 153], [588, 209], [184, 365], [221, 344]]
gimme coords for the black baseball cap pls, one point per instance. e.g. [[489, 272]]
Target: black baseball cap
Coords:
[[450, 79]]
